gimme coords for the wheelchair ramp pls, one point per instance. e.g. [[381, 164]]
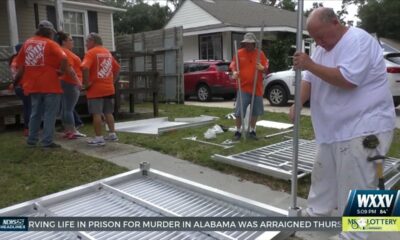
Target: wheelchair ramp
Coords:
[[276, 160], [133, 194]]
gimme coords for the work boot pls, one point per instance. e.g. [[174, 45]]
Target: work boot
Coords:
[[237, 136], [252, 135]]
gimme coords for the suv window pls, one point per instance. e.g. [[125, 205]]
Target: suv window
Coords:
[[223, 67], [393, 57], [195, 67]]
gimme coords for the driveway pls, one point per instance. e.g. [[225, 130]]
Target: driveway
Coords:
[[285, 109]]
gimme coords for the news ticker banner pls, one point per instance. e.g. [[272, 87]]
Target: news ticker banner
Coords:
[[170, 223], [366, 210]]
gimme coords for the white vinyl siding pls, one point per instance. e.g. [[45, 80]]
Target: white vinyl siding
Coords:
[[190, 48], [26, 19], [105, 29], [190, 15], [4, 36]]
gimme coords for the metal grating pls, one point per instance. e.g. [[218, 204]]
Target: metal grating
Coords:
[[276, 160], [156, 126], [133, 195]]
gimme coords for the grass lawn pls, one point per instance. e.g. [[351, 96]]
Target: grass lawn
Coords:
[[28, 173], [171, 143]]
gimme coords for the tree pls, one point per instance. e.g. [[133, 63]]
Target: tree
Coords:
[[176, 3], [139, 17], [381, 17], [315, 5], [287, 5]]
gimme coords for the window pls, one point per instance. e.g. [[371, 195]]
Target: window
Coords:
[[210, 46], [74, 24], [238, 37]]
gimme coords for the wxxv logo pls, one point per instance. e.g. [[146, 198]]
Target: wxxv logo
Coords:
[[372, 210], [373, 203]]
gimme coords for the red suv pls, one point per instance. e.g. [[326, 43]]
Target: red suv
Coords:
[[206, 79]]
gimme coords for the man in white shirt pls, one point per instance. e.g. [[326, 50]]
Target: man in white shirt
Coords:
[[350, 99]]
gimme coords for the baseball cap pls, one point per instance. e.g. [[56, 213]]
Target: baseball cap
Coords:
[[249, 38], [46, 24]]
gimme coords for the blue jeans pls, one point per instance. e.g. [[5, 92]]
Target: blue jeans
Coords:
[[46, 105], [26, 100], [77, 119], [68, 101]]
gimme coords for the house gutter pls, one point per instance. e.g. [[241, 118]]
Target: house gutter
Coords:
[[95, 6]]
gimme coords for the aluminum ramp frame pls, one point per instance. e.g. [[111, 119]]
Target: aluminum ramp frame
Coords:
[[132, 194], [276, 160], [157, 126]]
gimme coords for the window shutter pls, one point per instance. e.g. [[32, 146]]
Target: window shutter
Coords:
[[51, 15], [93, 26]]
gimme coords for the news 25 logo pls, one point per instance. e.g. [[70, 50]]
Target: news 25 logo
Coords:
[[13, 224], [373, 203]]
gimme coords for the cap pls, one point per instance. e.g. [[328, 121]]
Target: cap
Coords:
[[249, 38], [46, 24], [18, 47]]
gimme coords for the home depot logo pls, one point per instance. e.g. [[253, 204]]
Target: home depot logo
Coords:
[[104, 65], [34, 53]]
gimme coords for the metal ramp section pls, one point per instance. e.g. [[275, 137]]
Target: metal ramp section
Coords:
[[276, 160], [156, 126], [133, 194]]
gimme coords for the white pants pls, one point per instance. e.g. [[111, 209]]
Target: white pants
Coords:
[[340, 167]]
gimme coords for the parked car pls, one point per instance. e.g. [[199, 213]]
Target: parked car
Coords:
[[393, 72], [206, 79], [279, 86]]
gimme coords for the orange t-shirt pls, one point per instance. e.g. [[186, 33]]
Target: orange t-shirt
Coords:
[[41, 58], [75, 63], [102, 68], [247, 69]]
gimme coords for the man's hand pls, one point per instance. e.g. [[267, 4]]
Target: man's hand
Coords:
[[11, 87], [291, 113], [302, 61], [235, 75], [260, 67]]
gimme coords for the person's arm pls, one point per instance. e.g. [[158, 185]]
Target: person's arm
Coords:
[[305, 93], [330, 75], [85, 74], [18, 75]]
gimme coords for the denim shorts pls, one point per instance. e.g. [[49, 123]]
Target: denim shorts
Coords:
[[258, 108], [101, 105]]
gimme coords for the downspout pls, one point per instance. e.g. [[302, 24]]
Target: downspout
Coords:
[[59, 15], [12, 23]]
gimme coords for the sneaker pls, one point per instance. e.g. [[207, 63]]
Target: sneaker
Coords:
[[96, 142], [67, 134], [237, 136], [112, 137], [78, 134], [79, 126], [252, 135], [31, 145], [52, 145]]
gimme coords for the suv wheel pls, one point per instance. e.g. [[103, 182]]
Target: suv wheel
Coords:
[[277, 95], [203, 93]]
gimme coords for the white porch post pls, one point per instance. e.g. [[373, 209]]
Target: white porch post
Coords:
[[59, 15], [12, 23]]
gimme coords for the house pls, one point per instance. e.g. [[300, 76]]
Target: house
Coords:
[[210, 27], [19, 20]]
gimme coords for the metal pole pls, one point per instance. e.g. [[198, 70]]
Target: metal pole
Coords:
[[12, 24], [255, 77], [59, 15], [240, 102], [294, 210]]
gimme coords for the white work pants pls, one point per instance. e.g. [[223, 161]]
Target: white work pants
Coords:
[[340, 167]]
